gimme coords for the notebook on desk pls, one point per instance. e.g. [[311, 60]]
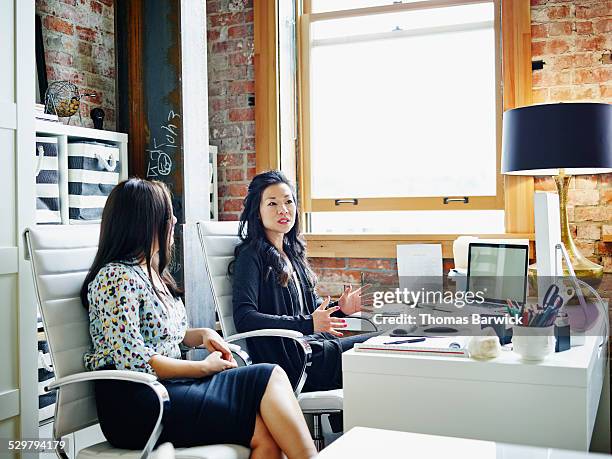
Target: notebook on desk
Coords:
[[447, 346]]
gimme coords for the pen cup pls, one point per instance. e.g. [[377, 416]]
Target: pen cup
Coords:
[[533, 343]]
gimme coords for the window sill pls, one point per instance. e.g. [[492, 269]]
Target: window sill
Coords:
[[384, 245]]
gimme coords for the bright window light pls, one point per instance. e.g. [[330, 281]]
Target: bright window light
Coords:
[[404, 104], [412, 222]]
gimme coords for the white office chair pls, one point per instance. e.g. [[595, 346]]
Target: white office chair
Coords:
[[61, 257], [218, 241]]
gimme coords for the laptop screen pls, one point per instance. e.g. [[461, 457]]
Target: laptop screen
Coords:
[[499, 271]]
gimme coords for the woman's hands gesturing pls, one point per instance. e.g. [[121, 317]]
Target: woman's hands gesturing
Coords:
[[352, 301], [323, 321]]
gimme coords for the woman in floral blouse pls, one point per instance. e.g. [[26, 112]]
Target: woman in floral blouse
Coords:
[[137, 322]]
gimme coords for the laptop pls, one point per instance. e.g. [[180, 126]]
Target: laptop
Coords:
[[498, 271]]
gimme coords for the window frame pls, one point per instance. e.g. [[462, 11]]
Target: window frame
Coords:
[[516, 79], [310, 204]]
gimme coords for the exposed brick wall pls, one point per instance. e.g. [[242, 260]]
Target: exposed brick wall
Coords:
[[231, 91], [574, 40], [334, 273], [79, 40]]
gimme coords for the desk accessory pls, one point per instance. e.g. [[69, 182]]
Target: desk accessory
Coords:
[[485, 347], [97, 117], [407, 341], [586, 310], [560, 140], [451, 346], [402, 332], [554, 318], [536, 337], [562, 332], [419, 266], [62, 98], [533, 343]]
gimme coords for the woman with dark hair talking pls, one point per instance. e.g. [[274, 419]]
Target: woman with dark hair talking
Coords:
[[137, 322], [274, 287]]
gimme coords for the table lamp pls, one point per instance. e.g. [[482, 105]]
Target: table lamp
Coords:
[[560, 140]]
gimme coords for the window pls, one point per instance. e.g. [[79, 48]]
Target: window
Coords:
[[408, 222], [401, 111], [287, 99]]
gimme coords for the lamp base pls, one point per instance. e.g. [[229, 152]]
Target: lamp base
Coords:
[[590, 272], [585, 269]]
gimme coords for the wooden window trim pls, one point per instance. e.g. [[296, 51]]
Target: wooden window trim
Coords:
[[267, 89], [385, 245], [516, 58], [516, 77], [310, 204]]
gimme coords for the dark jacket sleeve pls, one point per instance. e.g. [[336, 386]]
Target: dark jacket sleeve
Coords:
[[246, 297]]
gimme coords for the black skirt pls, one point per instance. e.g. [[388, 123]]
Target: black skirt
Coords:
[[217, 409], [325, 371]]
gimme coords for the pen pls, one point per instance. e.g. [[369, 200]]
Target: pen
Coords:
[[415, 340]]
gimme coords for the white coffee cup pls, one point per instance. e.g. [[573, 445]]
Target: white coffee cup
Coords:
[[533, 343]]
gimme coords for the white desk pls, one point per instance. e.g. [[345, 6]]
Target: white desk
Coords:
[[551, 404], [361, 442]]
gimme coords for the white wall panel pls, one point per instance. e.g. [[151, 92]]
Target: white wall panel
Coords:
[[8, 115], [9, 429], [9, 261], [7, 188], [9, 376], [7, 50], [25, 352], [9, 403]]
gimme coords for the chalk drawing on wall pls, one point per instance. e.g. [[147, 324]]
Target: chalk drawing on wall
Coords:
[[160, 155]]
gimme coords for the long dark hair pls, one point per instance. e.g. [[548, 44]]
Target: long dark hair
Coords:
[[252, 231], [136, 213]]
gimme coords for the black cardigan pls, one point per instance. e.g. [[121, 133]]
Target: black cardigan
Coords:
[[259, 302]]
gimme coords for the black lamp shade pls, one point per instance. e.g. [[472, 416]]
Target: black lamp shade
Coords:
[[540, 139]]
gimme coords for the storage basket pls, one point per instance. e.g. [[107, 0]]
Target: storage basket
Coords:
[[47, 181], [93, 171]]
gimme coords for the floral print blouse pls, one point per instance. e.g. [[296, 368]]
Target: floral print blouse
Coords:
[[128, 323]]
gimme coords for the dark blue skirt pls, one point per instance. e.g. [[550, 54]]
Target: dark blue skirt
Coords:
[[217, 409]]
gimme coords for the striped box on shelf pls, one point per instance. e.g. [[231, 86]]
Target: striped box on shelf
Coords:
[[46, 400], [47, 181], [93, 171]]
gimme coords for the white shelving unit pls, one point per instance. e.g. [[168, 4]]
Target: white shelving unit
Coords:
[[65, 134]]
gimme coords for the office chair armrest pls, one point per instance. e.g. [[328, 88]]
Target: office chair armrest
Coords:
[[123, 375], [359, 323], [241, 356], [232, 347], [281, 333]]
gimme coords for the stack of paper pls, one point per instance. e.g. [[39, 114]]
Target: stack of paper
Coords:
[[448, 346]]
